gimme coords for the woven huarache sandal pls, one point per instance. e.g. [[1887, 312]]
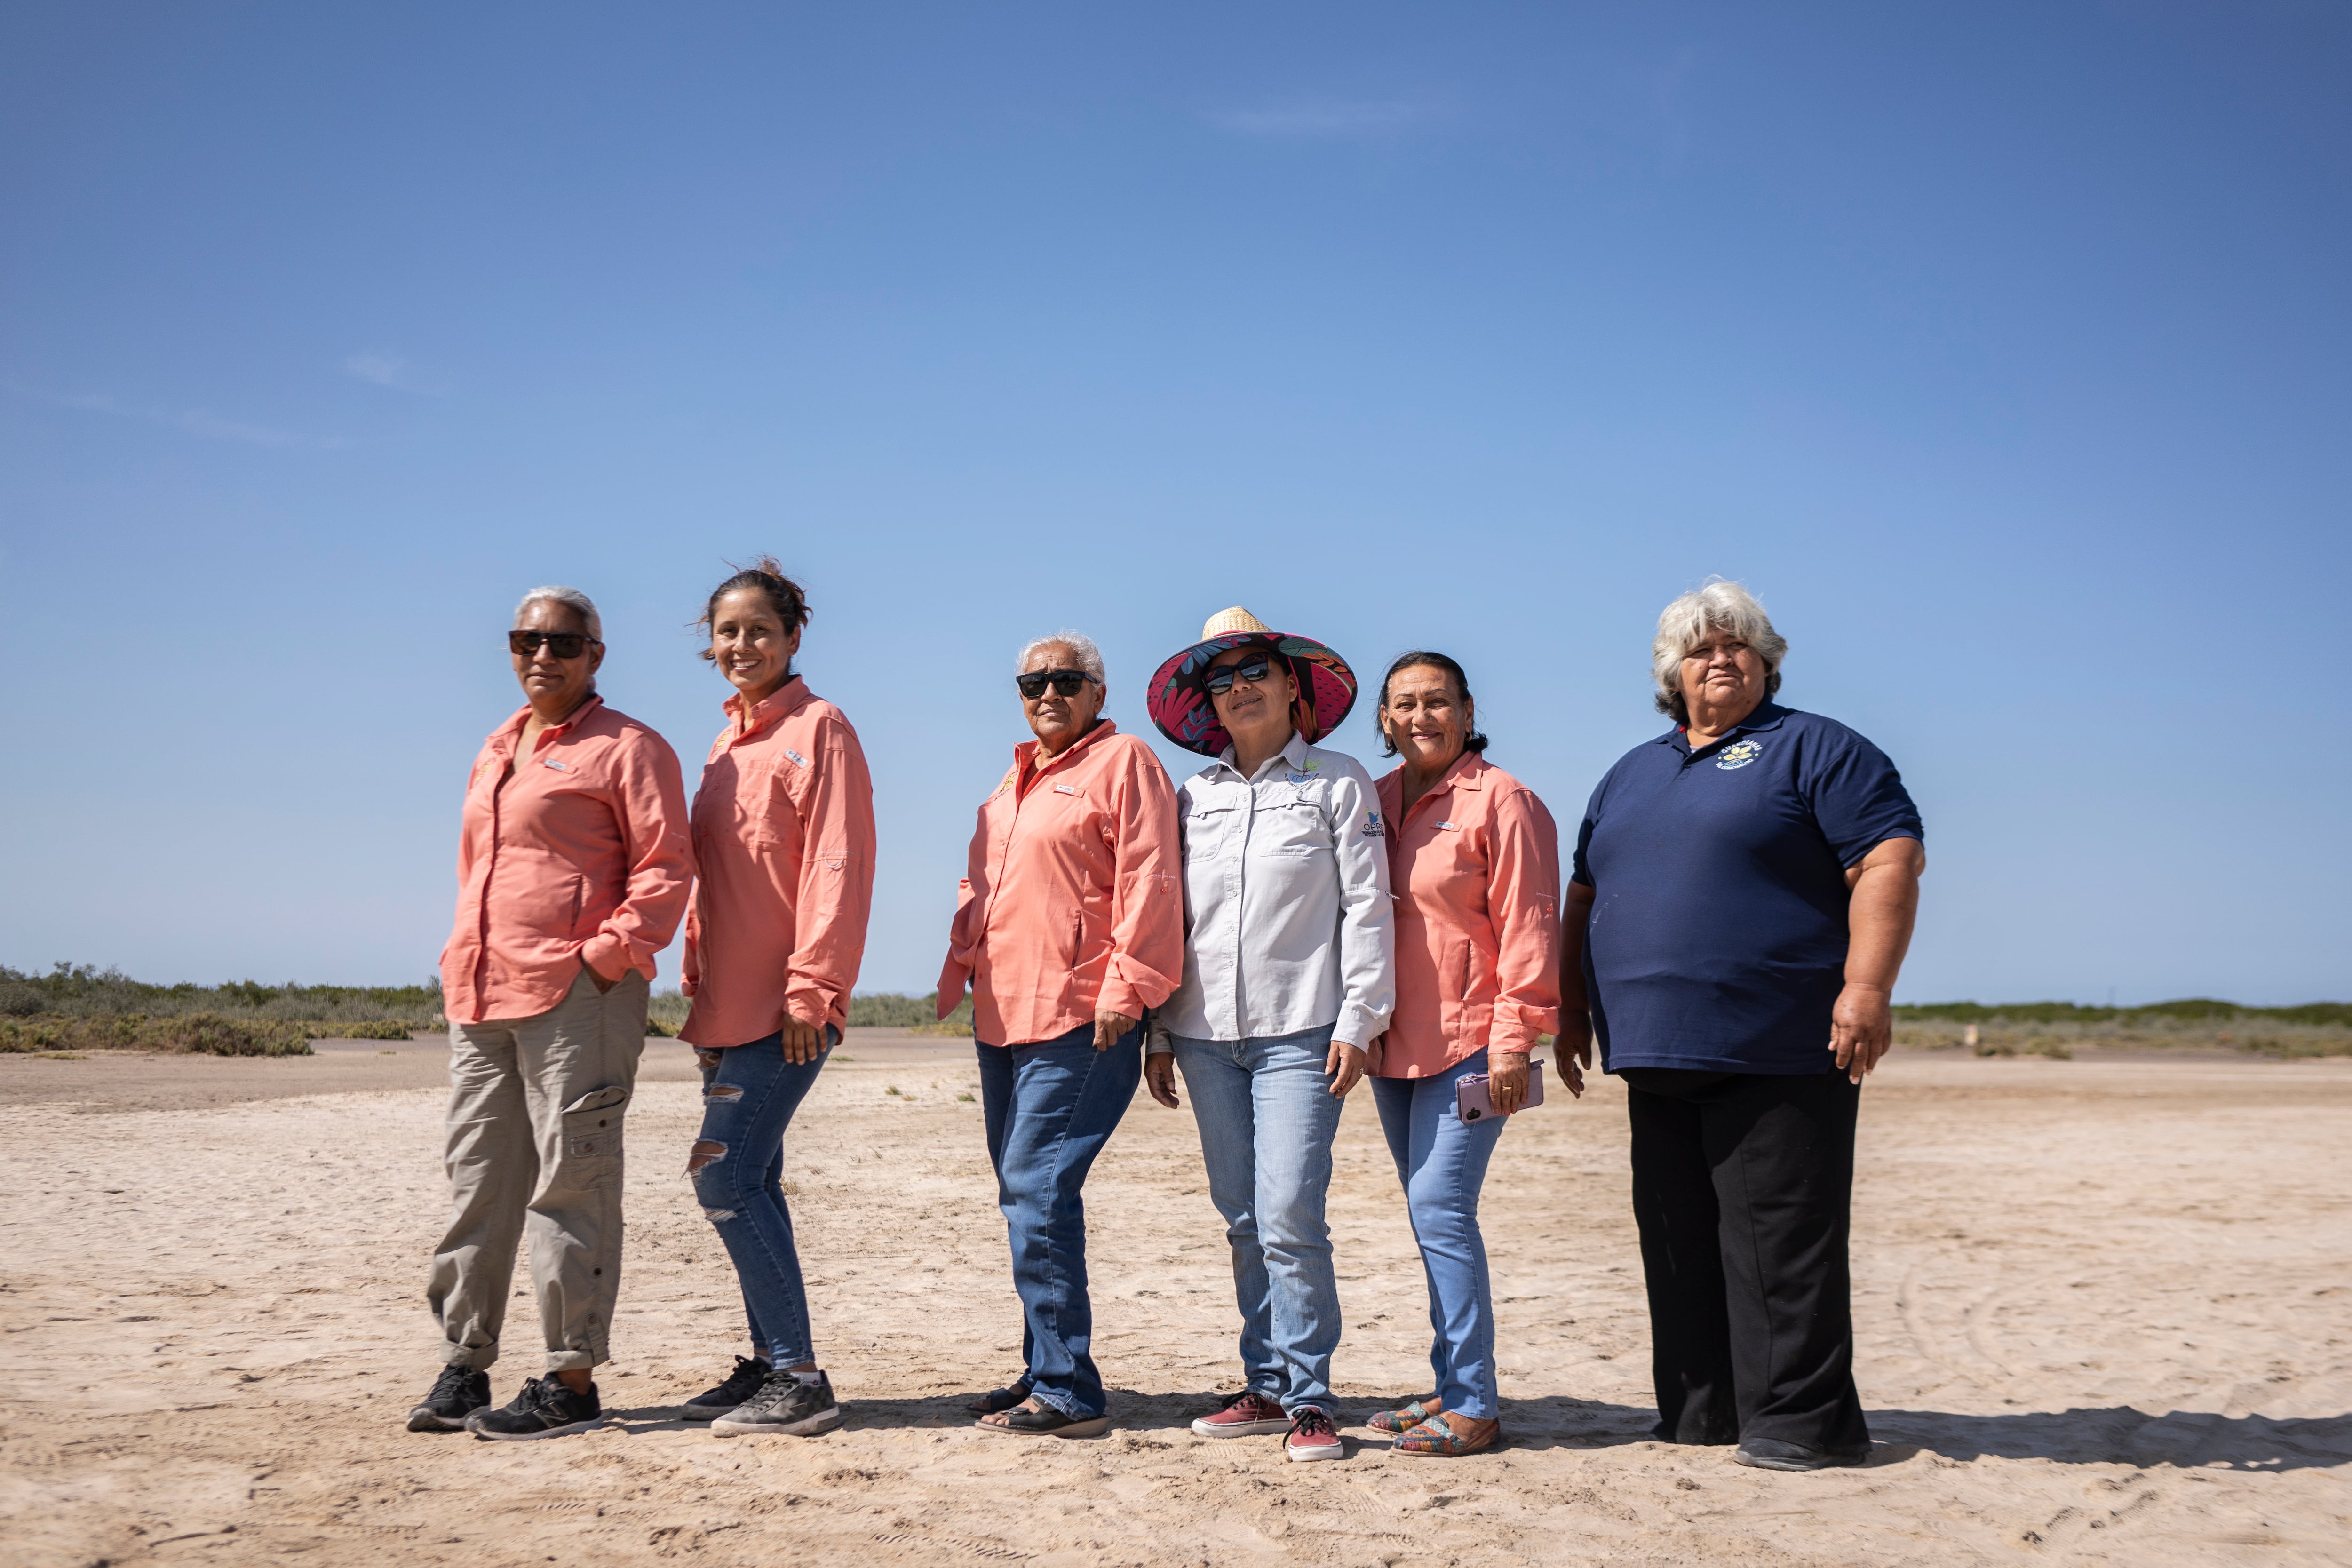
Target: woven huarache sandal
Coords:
[[1403, 1420], [1436, 1438], [996, 1399], [1023, 1422]]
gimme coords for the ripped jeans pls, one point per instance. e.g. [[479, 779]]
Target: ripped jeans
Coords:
[[748, 1099]]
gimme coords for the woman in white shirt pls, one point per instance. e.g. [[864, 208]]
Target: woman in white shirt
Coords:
[[1289, 972]]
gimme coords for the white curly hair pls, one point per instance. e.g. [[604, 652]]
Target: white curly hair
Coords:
[[1716, 605]]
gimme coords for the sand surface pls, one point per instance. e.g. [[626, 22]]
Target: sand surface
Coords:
[[2103, 1309]]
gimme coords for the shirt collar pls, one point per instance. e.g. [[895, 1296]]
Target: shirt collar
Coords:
[[1766, 715], [1294, 752], [511, 732], [1026, 752], [782, 701], [1468, 772]]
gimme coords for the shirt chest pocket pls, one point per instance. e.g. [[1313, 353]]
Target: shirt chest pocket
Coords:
[[1292, 827], [767, 813], [1206, 830]]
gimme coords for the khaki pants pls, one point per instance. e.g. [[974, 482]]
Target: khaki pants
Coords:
[[534, 1148]]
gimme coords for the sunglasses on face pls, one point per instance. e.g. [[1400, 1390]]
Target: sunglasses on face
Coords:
[[563, 645], [1064, 682], [1251, 668]]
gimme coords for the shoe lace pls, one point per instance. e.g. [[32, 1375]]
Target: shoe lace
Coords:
[[773, 1390], [1311, 1422], [1245, 1396], [452, 1382], [750, 1374]]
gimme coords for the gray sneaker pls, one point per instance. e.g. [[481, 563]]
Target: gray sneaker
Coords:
[[786, 1404]]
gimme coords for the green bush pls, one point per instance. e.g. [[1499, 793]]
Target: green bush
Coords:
[[83, 991], [201, 1032], [368, 1029], [2190, 1010]]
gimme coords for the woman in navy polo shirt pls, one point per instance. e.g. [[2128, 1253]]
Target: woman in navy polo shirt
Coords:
[[1743, 893]]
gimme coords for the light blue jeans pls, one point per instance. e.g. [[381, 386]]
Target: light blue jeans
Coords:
[[1049, 1109], [1442, 1161], [1267, 1115]]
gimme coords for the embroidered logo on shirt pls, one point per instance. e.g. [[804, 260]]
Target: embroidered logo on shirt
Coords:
[[796, 757], [1739, 755], [1372, 828]]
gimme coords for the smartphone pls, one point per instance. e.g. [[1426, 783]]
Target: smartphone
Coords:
[[1473, 1103]]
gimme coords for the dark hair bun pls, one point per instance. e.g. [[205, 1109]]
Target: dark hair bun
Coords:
[[767, 576]]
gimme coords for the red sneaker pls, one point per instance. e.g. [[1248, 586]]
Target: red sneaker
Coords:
[[1246, 1414], [1312, 1438]]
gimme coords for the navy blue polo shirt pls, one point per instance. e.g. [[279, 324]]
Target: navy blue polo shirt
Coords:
[[1717, 936]]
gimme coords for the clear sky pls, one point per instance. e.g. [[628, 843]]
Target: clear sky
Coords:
[[2001, 350]]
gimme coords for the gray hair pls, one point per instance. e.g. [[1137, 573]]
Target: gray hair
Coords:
[[1082, 647], [1716, 605], [572, 597]]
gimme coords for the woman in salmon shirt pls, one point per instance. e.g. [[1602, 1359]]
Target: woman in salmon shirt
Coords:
[[784, 840], [1069, 928], [1473, 858], [572, 870]]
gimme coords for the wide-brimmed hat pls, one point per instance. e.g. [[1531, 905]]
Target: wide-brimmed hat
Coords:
[[1178, 703]]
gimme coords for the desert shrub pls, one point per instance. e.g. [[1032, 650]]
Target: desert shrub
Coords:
[[84, 991], [892, 1010], [367, 1030], [203, 1032]]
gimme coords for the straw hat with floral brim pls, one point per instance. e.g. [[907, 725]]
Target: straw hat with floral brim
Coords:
[[1178, 703]]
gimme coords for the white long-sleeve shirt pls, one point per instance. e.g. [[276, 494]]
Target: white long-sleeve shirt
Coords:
[[1288, 920]]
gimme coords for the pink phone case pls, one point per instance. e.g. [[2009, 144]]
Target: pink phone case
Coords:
[[1473, 1103]]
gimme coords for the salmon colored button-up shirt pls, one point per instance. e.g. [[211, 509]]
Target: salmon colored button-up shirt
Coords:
[[577, 851], [1476, 869], [1072, 903], [784, 835]]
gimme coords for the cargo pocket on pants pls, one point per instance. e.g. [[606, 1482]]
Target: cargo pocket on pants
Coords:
[[591, 1138]]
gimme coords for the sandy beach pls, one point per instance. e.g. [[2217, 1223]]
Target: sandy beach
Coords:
[[2103, 1307]]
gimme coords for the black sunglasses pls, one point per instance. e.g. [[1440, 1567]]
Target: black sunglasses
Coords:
[[563, 644], [1251, 668], [1064, 682]]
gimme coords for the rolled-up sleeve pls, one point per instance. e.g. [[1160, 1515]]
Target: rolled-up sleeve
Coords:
[[1367, 915], [1523, 901], [649, 804], [1147, 905], [836, 886]]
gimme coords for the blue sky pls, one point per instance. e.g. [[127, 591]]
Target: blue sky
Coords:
[[2002, 350]]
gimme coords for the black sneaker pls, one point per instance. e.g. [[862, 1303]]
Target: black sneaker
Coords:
[[544, 1408], [740, 1384], [1770, 1454], [456, 1393], [785, 1403]]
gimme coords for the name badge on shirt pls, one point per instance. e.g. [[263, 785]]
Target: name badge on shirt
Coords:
[[1449, 827], [559, 767], [796, 757], [1064, 789]]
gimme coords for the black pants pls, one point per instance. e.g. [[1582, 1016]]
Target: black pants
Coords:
[[1741, 1189]]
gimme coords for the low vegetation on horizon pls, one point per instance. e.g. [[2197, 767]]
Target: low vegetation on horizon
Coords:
[[80, 1007]]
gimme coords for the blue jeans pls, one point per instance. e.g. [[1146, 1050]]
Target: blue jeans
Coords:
[[1267, 1116], [738, 1168], [1442, 1161], [1050, 1108]]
